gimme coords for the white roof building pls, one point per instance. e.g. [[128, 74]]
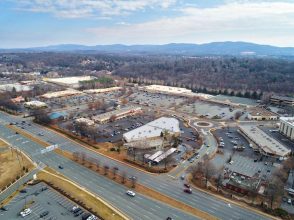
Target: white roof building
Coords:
[[174, 91], [35, 104], [68, 92], [153, 129], [72, 82], [111, 89], [266, 144], [87, 121], [18, 87]]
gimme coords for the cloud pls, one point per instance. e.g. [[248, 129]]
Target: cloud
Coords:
[[266, 21], [90, 8]]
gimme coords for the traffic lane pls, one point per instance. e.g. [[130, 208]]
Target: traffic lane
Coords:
[[154, 184], [108, 189], [196, 203]]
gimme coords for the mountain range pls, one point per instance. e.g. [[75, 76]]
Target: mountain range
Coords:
[[214, 48]]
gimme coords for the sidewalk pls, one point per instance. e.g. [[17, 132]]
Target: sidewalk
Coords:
[[14, 187]]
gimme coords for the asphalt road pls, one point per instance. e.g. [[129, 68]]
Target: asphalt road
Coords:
[[114, 193], [137, 208]]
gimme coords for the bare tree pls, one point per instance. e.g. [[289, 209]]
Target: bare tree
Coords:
[[112, 118], [114, 171], [274, 190], [97, 162], [106, 169], [237, 115], [76, 155], [167, 161], [83, 157], [123, 177], [218, 182], [134, 181]]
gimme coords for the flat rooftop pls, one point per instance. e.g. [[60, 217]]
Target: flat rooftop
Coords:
[[153, 129], [116, 112], [68, 80], [256, 111], [264, 141], [288, 120], [283, 98], [102, 90], [68, 92]]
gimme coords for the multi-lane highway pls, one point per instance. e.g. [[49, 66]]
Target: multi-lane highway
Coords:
[[114, 193], [137, 208]]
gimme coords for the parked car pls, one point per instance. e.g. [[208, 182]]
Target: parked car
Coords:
[[43, 214], [25, 212], [130, 193]]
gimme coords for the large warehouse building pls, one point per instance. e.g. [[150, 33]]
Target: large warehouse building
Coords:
[[169, 90], [287, 127], [72, 82], [265, 144]]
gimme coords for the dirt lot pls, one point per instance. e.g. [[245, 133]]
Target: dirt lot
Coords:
[[10, 166]]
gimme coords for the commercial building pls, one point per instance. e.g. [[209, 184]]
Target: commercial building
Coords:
[[287, 127], [72, 82], [282, 100], [64, 93], [146, 144], [169, 90], [116, 114], [35, 104], [266, 144], [86, 121], [94, 91], [153, 130], [15, 86], [242, 184], [261, 114]]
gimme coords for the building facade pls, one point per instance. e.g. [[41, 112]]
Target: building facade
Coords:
[[287, 127], [282, 100]]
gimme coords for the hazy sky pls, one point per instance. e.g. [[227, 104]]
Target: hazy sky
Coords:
[[26, 23]]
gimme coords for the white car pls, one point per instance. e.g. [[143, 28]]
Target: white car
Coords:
[[131, 193], [92, 217], [25, 212]]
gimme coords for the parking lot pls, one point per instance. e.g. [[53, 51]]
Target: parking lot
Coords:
[[209, 110], [156, 100], [245, 160], [41, 199]]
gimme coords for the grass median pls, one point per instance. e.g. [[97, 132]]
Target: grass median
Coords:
[[13, 165], [90, 202]]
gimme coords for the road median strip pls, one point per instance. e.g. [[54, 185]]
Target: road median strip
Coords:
[[90, 201]]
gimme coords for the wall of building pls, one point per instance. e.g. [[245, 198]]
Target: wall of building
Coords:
[[287, 129]]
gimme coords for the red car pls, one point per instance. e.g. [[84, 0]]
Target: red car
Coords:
[[188, 190], [187, 185]]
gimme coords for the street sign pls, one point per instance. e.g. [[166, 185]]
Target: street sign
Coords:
[[49, 148]]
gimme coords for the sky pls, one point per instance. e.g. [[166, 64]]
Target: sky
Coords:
[[32, 23]]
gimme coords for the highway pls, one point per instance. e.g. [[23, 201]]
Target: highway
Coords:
[[163, 183], [137, 208]]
